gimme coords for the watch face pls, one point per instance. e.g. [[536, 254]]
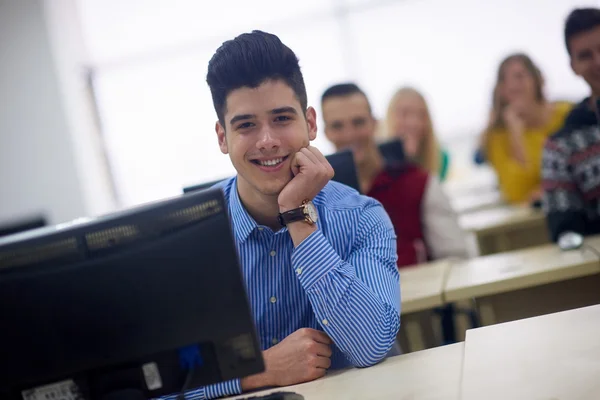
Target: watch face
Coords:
[[312, 211]]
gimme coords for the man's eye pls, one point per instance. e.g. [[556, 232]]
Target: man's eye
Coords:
[[245, 125], [282, 118]]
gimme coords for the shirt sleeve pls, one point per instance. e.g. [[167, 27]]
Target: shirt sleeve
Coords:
[[356, 300], [229, 388], [443, 235], [562, 201]]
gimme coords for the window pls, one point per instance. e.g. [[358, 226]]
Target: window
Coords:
[[150, 59]]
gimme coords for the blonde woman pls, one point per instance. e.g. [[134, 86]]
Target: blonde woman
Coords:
[[520, 122], [408, 119]]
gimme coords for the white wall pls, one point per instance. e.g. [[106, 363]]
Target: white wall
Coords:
[[39, 172]]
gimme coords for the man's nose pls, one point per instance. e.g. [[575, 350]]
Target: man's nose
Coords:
[[267, 139]]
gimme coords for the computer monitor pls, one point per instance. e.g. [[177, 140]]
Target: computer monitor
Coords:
[[345, 168], [200, 186], [144, 301], [22, 224], [393, 151], [342, 163]]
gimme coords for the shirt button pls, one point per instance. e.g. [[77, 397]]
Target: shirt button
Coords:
[[273, 253], [261, 229], [325, 322], [273, 299], [298, 271], [274, 341]]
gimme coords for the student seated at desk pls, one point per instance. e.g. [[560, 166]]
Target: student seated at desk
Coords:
[[409, 120], [571, 160], [520, 122], [319, 260], [425, 224]]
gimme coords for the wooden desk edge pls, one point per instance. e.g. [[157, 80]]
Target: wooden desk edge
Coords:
[[422, 304], [512, 283]]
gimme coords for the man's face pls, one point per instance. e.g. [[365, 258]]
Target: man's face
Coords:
[[349, 124], [585, 57], [264, 128]]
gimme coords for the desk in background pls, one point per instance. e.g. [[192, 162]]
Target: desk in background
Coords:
[[421, 290], [481, 180], [506, 228], [476, 202], [432, 374], [527, 283], [554, 356]]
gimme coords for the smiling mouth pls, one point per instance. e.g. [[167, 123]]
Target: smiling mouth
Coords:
[[270, 163]]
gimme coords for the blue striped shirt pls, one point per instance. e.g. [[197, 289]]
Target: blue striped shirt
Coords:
[[342, 279]]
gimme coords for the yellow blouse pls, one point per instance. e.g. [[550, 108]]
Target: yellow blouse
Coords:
[[517, 181]]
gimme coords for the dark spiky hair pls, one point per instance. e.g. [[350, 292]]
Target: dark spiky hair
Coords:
[[343, 90], [248, 61], [579, 21]]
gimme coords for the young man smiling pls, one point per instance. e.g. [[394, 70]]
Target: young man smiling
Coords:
[[319, 260], [571, 158]]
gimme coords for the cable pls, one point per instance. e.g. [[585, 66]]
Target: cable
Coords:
[[186, 384]]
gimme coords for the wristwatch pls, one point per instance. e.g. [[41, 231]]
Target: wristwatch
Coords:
[[306, 212]]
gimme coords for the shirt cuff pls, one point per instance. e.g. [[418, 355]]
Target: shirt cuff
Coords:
[[313, 259], [223, 389]]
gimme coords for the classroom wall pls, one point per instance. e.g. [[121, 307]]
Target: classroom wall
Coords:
[[41, 131]]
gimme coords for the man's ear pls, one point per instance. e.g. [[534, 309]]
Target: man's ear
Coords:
[[311, 121], [573, 66], [220, 130]]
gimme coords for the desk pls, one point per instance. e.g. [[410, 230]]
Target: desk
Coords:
[[421, 289], [421, 286], [476, 202], [425, 375], [506, 228], [481, 180], [554, 356], [528, 282]]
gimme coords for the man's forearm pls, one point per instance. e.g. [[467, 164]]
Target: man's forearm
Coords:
[[299, 231], [257, 381], [362, 321]]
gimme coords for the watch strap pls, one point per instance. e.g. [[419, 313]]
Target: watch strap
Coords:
[[297, 214]]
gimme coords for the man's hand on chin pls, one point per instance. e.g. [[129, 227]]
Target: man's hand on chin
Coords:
[[311, 172]]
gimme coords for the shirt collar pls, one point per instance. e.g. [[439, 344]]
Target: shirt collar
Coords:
[[243, 223]]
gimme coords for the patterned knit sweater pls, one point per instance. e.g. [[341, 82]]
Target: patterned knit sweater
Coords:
[[571, 174]]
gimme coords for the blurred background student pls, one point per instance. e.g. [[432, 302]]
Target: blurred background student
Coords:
[[426, 226], [520, 122], [409, 119], [571, 160]]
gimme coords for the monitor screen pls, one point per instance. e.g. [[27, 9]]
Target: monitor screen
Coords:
[[146, 299], [393, 151], [21, 225]]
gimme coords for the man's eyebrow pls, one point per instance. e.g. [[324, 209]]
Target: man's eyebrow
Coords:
[[241, 118], [282, 110]]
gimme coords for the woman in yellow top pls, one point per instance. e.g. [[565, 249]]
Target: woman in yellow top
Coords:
[[520, 122]]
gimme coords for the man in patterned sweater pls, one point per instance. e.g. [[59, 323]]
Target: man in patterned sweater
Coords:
[[571, 160]]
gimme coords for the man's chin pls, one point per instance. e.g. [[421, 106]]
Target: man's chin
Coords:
[[272, 188]]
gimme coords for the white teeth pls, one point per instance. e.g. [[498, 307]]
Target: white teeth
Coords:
[[270, 163]]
